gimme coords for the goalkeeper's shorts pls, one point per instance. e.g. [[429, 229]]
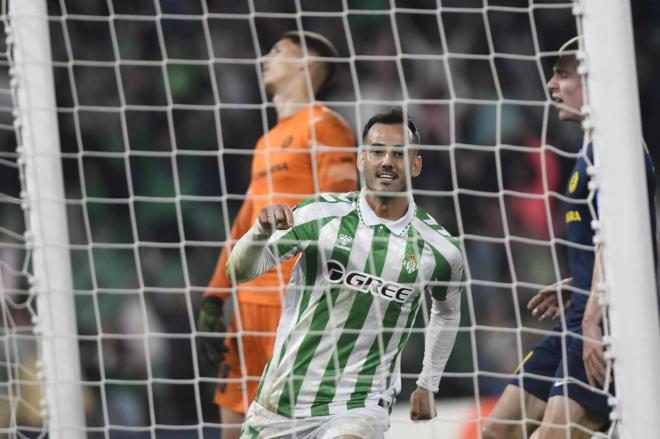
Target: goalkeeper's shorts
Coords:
[[562, 378], [367, 423], [235, 392]]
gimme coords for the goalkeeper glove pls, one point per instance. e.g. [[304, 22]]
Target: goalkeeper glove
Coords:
[[211, 319]]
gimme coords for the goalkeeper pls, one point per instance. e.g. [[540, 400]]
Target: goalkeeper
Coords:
[[288, 162], [566, 398], [366, 259]]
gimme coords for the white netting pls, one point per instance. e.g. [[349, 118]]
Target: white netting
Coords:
[[159, 104]]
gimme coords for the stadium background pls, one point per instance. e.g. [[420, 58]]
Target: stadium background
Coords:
[[171, 151]]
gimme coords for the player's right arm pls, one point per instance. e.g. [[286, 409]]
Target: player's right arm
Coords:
[[253, 255], [546, 304]]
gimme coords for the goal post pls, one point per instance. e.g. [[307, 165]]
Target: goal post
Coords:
[[630, 284], [47, 234]]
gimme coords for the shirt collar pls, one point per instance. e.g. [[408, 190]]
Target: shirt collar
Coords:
[[369, 217]]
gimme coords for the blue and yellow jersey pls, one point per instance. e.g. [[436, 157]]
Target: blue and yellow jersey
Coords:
[[580, 210]]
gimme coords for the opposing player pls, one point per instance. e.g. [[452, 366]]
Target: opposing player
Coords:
[[311, 149], [366, 259], [561, 395]]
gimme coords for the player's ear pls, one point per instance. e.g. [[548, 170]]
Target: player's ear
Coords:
[[416, 165], [360, 159], [307, 65], [311, 63], [316, 72]]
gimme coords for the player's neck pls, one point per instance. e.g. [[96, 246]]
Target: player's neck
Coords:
[[291, 99], [386, 207]]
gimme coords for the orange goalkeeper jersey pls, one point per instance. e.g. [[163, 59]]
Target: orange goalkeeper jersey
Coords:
[[312, 145]]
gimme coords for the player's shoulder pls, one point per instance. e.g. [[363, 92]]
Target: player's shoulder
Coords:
[[436, 235], [328, 204], [324, 116]]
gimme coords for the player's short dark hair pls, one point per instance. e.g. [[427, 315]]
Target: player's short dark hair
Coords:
[[571, 45], [321, 46], [569, 48], [393, 117]]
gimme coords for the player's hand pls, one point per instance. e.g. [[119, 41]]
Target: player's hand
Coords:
[[592, 354], [545, 304], [422, 405], [211, 319], [276, 216]]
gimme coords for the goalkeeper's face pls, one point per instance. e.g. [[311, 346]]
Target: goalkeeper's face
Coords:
[[385, 162], [283, 63], [565, 88]]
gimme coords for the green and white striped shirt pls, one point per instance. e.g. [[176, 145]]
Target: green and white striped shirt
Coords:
[[351, 302]]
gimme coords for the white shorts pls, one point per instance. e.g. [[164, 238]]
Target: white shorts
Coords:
[[367, 423]]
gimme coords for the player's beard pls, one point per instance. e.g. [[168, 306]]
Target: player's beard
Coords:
[[395, 187]]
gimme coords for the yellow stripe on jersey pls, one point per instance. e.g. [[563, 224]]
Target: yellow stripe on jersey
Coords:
[[525, 360]]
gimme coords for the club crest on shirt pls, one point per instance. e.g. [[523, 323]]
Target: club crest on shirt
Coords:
[[344, 241], [410, 263], [573, 182]]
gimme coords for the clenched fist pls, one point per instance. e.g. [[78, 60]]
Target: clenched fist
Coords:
[[276, 216]]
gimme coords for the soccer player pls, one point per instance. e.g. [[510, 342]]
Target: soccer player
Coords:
[[310, 149], [365, 261], [562, 398]]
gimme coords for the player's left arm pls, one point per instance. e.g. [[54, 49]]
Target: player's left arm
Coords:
[[592, 350], [440, 338], [335, 156], [592, 347]]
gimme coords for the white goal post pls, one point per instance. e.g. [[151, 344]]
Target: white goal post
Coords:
[[127, 201], [47, 235], [630, 290]]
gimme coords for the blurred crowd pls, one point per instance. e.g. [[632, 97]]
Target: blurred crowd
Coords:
[[160, 104]]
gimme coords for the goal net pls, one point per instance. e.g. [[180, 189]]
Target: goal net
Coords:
[[126, 151]]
